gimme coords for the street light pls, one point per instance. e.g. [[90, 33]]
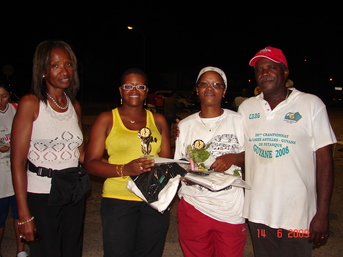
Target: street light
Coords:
[[131, 27]]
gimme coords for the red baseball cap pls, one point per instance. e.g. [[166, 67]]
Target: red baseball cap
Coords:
[[271, 53]]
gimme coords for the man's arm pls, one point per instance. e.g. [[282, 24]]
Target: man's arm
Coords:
[[319, 226]]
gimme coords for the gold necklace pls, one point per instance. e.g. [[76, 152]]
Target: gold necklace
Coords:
[[132, 121], [215, 124]]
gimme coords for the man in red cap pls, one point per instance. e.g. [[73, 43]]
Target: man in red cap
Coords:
[[289, 166]]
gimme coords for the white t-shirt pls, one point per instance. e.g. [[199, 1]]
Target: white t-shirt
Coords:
[[54, 144], [6, 120], [226, 136], [280, 162]]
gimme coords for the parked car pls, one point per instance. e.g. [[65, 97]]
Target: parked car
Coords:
[[182, 101], [335, 97]]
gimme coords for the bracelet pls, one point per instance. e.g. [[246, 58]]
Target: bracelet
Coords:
[[117, 170], [27, 221], [121, 171]]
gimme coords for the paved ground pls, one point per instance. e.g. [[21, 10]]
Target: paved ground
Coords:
[[93, 239]]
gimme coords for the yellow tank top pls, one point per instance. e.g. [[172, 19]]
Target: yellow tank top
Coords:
[[123, 145]]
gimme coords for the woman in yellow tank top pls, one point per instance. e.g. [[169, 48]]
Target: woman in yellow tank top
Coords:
[[130, 226]]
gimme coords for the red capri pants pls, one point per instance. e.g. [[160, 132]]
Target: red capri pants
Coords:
[[202, 236]]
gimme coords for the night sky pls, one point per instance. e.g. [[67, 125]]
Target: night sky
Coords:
[[179, 39]]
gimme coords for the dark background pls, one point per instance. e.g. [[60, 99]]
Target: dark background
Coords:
[[179, 38]]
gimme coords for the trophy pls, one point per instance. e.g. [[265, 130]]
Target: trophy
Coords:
[[145, 135]]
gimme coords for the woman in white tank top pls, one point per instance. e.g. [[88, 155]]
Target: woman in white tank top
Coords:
[[47, 133]]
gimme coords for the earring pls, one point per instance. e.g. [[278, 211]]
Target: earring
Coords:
[[121, 101], [43, 76]]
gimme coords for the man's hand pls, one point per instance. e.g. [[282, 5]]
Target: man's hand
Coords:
[[319, 230]]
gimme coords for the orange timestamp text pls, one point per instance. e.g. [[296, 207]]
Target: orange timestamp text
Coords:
[[291, 233]]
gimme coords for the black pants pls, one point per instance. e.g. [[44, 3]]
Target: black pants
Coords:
[[132, 228], [270, 242], [61, 227]]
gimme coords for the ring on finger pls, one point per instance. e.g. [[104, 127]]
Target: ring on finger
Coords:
[[140, 167]]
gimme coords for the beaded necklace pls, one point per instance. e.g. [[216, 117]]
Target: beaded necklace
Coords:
[[59, 106]]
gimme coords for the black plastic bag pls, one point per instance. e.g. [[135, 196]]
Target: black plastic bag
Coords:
[[151, 183]]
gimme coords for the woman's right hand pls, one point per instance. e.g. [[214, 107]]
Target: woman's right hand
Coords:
[[27, 231], [138, 166]]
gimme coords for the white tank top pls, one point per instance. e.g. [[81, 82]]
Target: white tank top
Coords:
[[54, 144]]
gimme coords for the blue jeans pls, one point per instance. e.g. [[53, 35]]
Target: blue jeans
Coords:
[[132, 228]]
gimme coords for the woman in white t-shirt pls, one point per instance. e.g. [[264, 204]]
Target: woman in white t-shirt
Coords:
[[7, 198], [210, 222]]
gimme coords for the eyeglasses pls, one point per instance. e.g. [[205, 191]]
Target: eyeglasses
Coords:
[[130, 87], [213, 85]]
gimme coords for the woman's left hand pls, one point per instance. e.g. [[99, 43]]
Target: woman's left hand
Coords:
[[223, 163], [138, 166], [219, 165]]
